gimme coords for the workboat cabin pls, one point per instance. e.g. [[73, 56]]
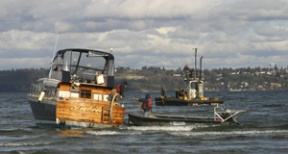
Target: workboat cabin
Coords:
[[77, 91], [191, 92], [194, 87]]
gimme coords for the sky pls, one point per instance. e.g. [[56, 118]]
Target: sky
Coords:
[[152, 33]]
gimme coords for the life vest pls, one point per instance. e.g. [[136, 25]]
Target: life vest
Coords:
[[117, 87], [148, 105]]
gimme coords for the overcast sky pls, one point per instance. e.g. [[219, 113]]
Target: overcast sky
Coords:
[[227, 33]]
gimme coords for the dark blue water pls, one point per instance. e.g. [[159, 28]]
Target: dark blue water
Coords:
[[263, 129]]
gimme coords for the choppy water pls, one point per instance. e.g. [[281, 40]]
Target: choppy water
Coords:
[[264, 129]]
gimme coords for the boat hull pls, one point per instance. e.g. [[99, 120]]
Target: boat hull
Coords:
[[136, 119], [44, 114], [89, 114], [76, 113], [180, 102]]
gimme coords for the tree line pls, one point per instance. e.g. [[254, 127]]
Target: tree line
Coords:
[[221, 79], [152, 78]]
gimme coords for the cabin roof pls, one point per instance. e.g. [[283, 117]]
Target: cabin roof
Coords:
[[86, 51]]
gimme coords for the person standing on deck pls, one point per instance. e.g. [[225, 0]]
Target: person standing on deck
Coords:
[[146, 104], [120, 89]]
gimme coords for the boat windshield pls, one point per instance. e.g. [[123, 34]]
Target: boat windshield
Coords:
[[193, 85], [84, 64]]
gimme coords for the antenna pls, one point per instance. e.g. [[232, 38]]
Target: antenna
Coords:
[[55, 47], [195, 63]]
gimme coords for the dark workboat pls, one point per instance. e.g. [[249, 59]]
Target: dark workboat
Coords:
[[220, 116], [76, 93], [193, 92]]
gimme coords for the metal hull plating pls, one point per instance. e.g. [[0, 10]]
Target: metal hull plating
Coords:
[[167, 120], [180, 102], [220, 116]]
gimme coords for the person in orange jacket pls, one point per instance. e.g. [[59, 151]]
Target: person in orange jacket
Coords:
[[120, 89], [146, 104]]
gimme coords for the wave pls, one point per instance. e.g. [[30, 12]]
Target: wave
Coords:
[[112, 133], [136, 130], [21, 144], [231, 133], [11, 131], [167, 128], [273, 105]]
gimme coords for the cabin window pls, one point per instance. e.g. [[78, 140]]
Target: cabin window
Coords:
[[194, 85], [85, 94], [106, 97], [109, 69], [98, 96], [63, 93], [74, 95], [51, 91]]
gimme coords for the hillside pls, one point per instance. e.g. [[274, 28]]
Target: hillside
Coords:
[[152, 78], [227, 79]]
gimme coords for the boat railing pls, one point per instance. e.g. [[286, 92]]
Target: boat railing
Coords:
[[223, 115]]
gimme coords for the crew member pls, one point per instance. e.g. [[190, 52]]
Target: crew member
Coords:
[[120, 89], [146, 104]]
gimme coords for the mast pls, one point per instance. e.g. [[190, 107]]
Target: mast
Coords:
[[195, 63]]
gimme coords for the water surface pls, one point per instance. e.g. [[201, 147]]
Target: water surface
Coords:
[[263, 129]]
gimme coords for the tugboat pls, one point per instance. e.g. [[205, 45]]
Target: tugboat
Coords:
[[76, 92], [193, 95]]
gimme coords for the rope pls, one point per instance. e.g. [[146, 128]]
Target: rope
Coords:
[[111, 108]]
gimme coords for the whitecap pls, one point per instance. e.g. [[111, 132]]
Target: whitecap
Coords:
[[21, 144], [166, 128], [229, 133]]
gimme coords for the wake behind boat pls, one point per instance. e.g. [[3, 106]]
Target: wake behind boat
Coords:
[[220, 116], [192, 94], [77, 91]]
